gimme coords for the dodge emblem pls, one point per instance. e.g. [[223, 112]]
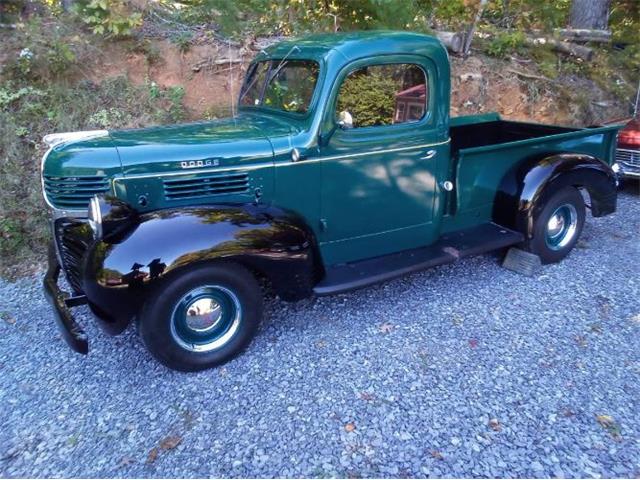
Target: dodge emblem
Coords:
[[200, 163]]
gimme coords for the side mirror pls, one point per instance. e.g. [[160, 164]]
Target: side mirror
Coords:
[[345, 122]]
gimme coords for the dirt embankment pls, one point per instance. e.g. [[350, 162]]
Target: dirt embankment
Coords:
[[479, 83]]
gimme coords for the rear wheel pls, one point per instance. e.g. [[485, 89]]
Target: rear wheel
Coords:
[[558, 225], [203, 317]]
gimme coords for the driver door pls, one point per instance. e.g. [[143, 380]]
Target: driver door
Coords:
[[380, 173]]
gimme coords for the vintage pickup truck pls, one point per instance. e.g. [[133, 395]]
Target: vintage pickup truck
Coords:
[[341, 169]]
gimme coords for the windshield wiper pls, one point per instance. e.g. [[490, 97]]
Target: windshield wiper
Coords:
[[282, 63]]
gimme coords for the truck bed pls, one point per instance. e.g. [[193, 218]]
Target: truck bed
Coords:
[[484, 148], [494, 131]]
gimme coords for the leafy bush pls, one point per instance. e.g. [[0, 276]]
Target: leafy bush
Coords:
[[506, 43], [114, 17], [46, 54]]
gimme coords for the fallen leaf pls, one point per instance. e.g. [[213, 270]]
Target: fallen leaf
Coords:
[[386, 328], [153, 454], [170, 442], [126, 461], [596, 328], [610, 425], [368, 397], [583, 245], [473, 343], [6, 316], [494, 424], [437, 455], [350, 427]]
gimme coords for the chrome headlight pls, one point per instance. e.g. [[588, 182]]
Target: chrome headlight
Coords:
[[95, 216], [109, 217]]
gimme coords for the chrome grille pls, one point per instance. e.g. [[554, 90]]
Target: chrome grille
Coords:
[[205, 186], [628, 157], [72, 245], [73, 193]]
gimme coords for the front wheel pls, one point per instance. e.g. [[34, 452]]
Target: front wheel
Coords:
[[558, 225], [202, 318]]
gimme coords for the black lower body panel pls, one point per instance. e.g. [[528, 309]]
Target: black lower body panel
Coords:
[[451, 247]]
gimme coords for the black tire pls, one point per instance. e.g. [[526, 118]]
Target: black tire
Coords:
[[550, 250], [160, 315]]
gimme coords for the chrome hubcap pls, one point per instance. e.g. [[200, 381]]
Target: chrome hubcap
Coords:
[[561, 227], [203, 315], [206, 318]]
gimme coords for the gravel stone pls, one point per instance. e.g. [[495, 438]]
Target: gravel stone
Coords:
[[483, 372]]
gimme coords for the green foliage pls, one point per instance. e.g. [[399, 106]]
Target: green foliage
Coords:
[[46, 54], [624, 22], [8, 96], [505, 44], [150, 51], [528, 14], [183, 41], [113, 17], [109, 118], [452, 14], [265, 17], [176, 111], [370, 98]]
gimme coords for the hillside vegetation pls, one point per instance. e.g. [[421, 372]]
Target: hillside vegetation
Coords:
[[123, 63]]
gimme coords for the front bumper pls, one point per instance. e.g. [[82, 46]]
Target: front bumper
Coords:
[[62, 303]]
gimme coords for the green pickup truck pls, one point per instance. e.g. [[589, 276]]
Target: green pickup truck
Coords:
[[341, 169]]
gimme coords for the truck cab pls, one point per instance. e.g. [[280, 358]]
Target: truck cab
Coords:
[[342, 168]]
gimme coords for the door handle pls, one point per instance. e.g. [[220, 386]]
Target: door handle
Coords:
[[430, 154]]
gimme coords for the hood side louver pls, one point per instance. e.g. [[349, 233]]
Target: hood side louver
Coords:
[[205, 186]]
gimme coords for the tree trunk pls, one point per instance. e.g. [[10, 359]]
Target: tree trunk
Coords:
[[580, 51], [454, 41], [472, 27], [66, 5], [583, 35], [590, 14]]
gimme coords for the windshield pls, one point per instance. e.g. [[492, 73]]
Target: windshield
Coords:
[[282, 85]]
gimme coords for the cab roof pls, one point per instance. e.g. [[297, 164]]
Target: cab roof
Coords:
[[352, 45]]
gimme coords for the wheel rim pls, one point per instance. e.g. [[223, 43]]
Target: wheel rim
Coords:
[[206, 318], [561, 227]]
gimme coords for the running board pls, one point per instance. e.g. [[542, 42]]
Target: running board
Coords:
[[449, 248]]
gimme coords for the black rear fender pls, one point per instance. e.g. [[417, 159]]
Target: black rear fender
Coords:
[[523, 190]]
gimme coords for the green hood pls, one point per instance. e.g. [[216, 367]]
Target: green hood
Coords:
[[232, 142]]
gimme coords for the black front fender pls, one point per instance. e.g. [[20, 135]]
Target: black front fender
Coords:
[[122, 273], [523, 190]]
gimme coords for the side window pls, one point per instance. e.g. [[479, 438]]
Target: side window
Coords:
[[383, 95]]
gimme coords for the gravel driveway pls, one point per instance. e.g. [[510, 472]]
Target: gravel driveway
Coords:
[[463, 370]]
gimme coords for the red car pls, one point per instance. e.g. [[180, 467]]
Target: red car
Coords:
[[628, 152]]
